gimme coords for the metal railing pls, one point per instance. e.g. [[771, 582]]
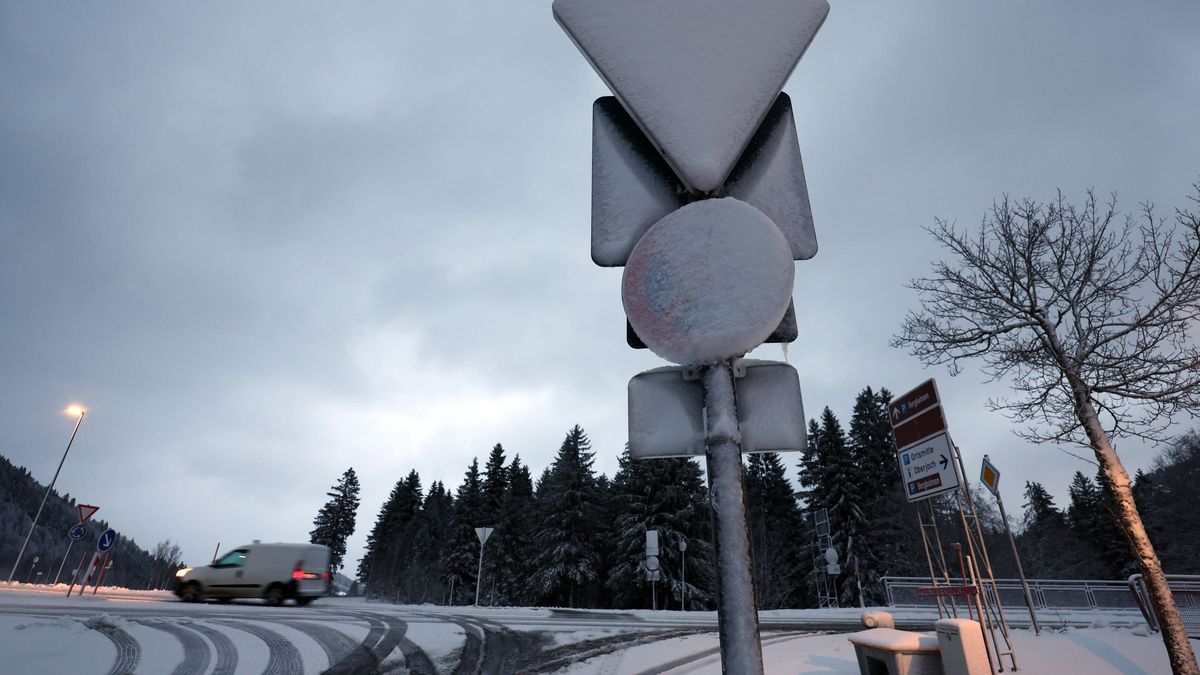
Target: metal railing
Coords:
[[1061, 594], [1185, 588]]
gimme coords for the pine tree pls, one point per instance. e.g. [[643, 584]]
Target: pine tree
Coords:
[[1050, 548], [462, 556], [666, 495], [335, 521], [844, 496], [874, 451], [511, 545], [776, 532], [567, 547], [427, 571], [378, 567]]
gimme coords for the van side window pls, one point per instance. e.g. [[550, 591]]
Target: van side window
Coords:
[[232, 559]]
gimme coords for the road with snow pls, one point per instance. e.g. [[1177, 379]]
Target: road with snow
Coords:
[[120, 632], [41, 631]]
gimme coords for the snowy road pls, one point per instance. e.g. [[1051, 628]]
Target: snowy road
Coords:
[[131, 631], [41, 631]]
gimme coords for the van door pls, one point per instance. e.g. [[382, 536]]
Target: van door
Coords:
[[228, 577]]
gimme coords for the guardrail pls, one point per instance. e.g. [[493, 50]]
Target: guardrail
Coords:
[[1062, 594], [1185, 588]]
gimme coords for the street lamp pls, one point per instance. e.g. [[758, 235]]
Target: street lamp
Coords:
[[78, 411]]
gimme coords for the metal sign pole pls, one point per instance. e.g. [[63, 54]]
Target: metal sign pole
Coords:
[[1037, 630], [741, 651], [64, 562], [49, 487]]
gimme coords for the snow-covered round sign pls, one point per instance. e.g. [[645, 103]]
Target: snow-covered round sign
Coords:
[[708, 282]]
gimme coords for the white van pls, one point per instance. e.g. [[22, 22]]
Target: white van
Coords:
[[273, 572]]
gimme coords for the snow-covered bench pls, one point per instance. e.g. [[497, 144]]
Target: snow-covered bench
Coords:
[[886, 651]]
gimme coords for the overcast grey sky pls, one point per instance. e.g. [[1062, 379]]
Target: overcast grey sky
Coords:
[[263, 242]]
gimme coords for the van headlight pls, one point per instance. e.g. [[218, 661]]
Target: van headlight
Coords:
[[182, 572]]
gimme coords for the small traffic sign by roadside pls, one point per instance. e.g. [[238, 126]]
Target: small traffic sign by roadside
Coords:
[[106, 540], [989, 475], [86, 511], [77, 531], [483, 533]]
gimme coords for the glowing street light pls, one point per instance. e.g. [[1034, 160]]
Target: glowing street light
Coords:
[[77, 411]]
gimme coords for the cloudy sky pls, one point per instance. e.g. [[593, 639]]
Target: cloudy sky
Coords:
[[266, 242]]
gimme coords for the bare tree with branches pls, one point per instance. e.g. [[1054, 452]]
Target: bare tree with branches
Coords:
[[1085, 313]]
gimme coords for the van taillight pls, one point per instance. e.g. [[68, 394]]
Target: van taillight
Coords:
[[297, 574], [325, 576]]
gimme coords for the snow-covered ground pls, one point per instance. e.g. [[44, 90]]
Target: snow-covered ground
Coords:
[[41, 631]]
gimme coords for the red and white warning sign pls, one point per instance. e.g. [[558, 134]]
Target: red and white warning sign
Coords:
[[86, 511]]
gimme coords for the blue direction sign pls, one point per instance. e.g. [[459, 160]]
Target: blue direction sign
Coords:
[[106, 540], [76, 532]]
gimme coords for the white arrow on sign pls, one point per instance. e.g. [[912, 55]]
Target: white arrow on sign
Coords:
[[633, 188], [698, 75]]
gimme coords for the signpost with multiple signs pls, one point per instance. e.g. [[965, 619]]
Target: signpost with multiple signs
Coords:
[[700, 139], [76, 533], [928, 466]]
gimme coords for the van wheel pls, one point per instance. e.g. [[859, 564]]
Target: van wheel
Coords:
[[191, 592], [274, 595], [305, 600]]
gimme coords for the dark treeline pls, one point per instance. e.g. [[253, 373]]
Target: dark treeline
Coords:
[[576, 538], [20, 494]]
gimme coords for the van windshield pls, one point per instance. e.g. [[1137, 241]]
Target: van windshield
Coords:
[[232, 559]]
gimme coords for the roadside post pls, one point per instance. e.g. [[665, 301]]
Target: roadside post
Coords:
[[75, 533], [682, 573], [32, 567], [931, 465], [698, 190], [79, 412], [87, 572], [104, 545], [483, 533], [652, 566], [989, 475]]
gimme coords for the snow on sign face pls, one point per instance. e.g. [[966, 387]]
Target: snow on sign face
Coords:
[[632, 187], [708, 282], [698, 76]]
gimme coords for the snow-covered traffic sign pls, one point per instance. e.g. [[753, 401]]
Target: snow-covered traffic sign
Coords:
[[708, 282], [106, 540], [699, 191], [666, 410], [633, 188], [927, 468], [86, 511], [698, 76], [77, 531]]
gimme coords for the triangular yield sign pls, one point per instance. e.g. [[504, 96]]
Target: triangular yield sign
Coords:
[[86, 511], [698, 76]]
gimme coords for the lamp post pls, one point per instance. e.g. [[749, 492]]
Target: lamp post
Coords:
[[79, 411]]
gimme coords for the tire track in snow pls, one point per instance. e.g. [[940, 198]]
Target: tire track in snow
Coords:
[[196, 655], [667, 667], [283, 659], [226, 652], [361, 659], [128, 651], [337, 645]]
